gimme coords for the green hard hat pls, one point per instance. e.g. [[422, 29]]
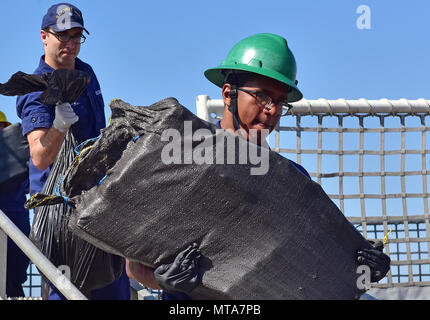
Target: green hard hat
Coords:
[[266, 54]]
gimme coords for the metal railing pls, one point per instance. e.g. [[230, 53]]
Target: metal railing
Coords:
[[55, 276], [370, 156], [212, 109]]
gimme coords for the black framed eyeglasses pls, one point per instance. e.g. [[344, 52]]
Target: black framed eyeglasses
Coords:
[[267, 102], [65, 37]]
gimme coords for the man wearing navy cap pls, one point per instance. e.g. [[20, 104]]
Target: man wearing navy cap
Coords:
[[46, 127]]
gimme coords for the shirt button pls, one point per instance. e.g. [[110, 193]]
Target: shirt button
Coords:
[[33, 120]]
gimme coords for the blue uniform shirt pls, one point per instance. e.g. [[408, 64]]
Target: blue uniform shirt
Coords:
[[35, 115]]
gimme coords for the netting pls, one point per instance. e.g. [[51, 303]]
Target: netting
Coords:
[[33, 286], [372, 159]]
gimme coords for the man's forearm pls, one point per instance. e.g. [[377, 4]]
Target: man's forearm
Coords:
[[44, 146], [141, 273]]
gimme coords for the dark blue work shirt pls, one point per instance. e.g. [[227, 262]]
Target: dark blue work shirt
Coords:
[[35, 115]]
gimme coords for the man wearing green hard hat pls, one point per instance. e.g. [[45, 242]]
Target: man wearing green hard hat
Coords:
[[258, 81]]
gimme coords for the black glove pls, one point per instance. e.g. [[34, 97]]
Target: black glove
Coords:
[[183, 275], [378, 261]]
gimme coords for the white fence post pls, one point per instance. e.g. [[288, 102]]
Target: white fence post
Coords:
[[207, 107], [202, 110]]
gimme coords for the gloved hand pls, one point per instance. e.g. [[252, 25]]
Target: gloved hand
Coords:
[[378, 261], [65, 117], [183, 275]]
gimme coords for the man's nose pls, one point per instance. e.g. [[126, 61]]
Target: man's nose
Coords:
[[273, 110], [71, 43]]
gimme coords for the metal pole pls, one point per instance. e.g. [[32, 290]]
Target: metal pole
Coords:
[[305, 106], [45, 266], [322, 105], [202, 110], [3, 263]]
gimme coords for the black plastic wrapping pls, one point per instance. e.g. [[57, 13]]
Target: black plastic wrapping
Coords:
[[271, 236], [61, 85], [22, 83], [14, 159], [90, 267]]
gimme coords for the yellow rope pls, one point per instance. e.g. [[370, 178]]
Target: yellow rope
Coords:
[[80, 153], [386, 237], [41, 202], [110, 117]]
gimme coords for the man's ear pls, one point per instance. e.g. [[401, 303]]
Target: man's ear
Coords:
[[226, 94], [43, 36]]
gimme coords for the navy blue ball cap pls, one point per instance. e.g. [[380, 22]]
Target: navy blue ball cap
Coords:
[[63, 16]]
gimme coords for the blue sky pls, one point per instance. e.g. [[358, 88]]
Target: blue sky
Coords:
[[144, 51]]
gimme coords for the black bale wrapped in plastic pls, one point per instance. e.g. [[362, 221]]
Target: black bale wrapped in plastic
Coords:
[[268, 236], [15, 157]]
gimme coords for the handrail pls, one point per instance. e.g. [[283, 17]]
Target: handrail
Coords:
[[60, 281], [206, 106]]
